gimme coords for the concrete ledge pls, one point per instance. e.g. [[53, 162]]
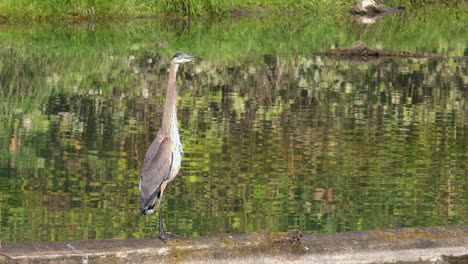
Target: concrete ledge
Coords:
[[401, 245]]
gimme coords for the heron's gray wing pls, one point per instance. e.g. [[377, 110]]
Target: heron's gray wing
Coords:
[[152, 150], [156, 167]]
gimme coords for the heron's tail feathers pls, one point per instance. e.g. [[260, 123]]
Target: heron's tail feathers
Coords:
[[147, 204], [149, 210]]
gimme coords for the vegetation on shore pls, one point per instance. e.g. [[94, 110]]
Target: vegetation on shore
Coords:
[[13, 10]]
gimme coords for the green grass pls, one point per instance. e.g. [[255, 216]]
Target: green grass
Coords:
[[46, 9], [14, 10]]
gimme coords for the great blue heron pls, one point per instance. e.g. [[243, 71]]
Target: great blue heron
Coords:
[[163, 158]]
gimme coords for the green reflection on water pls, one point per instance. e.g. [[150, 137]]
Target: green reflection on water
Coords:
[[274, 138]]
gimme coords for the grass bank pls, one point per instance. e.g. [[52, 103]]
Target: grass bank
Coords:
[[14, 10]]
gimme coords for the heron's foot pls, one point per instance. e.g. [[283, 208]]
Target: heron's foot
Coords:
[[164, 236]]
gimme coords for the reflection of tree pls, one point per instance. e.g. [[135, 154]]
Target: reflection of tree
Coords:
[[326, 197]]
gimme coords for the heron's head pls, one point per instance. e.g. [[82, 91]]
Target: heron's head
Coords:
[[180, 58]]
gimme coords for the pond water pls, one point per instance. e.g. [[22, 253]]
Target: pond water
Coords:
[[274, 137]]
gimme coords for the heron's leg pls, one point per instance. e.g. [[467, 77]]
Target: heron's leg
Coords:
[[160, 207], [161, 233]]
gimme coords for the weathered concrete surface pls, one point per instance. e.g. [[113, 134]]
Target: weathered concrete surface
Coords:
[[402, 245]]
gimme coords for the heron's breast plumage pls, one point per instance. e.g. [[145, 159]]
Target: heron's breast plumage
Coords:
[[176, 161]]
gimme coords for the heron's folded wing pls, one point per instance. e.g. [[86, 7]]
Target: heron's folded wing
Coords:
[[152, 150], [157, 168]]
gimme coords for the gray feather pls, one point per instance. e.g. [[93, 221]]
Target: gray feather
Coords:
[[156, 169]]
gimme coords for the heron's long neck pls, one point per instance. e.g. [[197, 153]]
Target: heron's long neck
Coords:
[[169, 121]]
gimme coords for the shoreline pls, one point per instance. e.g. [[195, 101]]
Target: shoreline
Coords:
[[399, 245]]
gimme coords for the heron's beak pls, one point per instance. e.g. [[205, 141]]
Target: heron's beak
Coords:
[[194, 58], [186, 58]]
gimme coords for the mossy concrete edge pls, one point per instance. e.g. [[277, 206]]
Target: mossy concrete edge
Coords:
[[400, 245]]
